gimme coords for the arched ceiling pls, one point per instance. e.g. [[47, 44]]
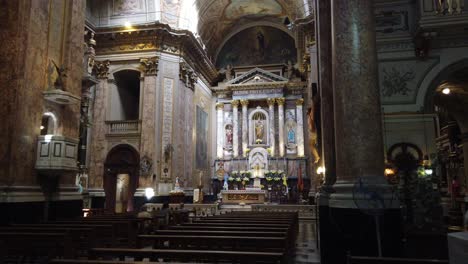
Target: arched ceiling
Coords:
[[218, 18]]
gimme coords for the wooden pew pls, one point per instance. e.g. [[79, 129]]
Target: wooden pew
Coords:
[[229, 228], [244, 243], [35, 245], [87, 261], [220, 233], [125, 230], [380, 260], [203, 256], [82, 239], [104, 234]]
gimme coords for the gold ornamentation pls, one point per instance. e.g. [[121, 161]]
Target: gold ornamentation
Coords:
[[271, 101], [219, 106], [102, 69], [244, 102], [300, 101], [235, 103], [242, 197], [280, 101], [150, 65]]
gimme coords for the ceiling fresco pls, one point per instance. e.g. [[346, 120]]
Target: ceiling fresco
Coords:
[[257, 46], [219, 18], [240, 8]]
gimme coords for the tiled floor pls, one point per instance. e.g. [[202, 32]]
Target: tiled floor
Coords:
[[306, 249]]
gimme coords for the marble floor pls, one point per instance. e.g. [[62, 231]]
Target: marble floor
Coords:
[[306, 243]]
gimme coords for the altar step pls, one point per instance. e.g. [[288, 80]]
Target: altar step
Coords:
[[235, 208]]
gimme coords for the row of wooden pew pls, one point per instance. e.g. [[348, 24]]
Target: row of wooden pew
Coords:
[[239, 237]]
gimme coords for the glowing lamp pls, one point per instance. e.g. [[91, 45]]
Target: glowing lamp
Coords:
[[428, 171], [321, 170], [149, 193], [127, 24], [389, 171], [446, 91]]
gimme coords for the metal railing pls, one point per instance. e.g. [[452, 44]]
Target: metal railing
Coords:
[[123, 126]]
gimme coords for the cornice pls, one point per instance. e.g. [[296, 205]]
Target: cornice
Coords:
[[156, 37]]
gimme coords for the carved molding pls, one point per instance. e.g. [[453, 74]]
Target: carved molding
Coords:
[[187, 75], [101, 68], [158, 37], [235, 103], [280, 101], [244, 102], [150, 65]]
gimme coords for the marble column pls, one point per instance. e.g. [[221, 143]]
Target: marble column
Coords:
[[220, 130], [245, 130], [148, 118], [300, 127], [235, 128], [99, 128], [271, 112], [464, 180], [358, 124], [280, 102], [326, 94]]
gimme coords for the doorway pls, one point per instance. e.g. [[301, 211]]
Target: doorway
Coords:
[[121, 173]]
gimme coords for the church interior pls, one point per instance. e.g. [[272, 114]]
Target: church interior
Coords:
[[234, 131]]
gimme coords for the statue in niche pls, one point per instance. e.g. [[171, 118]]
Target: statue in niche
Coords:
[[229, 71], [312, 135], [229, 135], [61, 75], [259, 131], [290, 130]]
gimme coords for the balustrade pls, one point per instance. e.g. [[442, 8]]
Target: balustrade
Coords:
[[123, 126]]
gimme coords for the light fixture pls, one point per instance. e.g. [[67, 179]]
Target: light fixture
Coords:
[[42, 127], [321, 170], [446, 91], [389, 171], [127, 24], [47, 138], [428, 171], [149, 193]]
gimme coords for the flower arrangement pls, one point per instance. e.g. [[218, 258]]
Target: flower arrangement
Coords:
[[269, 179], [235, 173], [230, 178], [258, 141], [238, 179], [245, 179]]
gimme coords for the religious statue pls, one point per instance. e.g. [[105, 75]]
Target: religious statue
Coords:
[[312, 135], [229, 135], [61, 75], [290, 69], [177, 184], [225, 185], [229, 72], [259, 131]]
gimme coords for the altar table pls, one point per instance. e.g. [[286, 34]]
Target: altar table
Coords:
[[243, 196]]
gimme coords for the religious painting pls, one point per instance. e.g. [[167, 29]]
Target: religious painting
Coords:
[[240, 8], [201, 148], [128, 7], [256, 46]]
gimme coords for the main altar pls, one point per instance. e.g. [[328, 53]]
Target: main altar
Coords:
[[260, 154]]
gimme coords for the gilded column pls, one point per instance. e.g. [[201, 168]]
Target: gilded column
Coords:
[[271, 112], [148, 118], [99, 128], [300, 127], [244, 104], [220, 131], [280, 102], [235, 128]]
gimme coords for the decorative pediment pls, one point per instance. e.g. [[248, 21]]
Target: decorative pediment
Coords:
[[257, 75]]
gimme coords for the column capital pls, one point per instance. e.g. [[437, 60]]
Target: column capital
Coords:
[[280, 101], [150, 65], [244, 102], [300, 101], [235, 103], [219, 106], [271, 101], [102, 69]]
